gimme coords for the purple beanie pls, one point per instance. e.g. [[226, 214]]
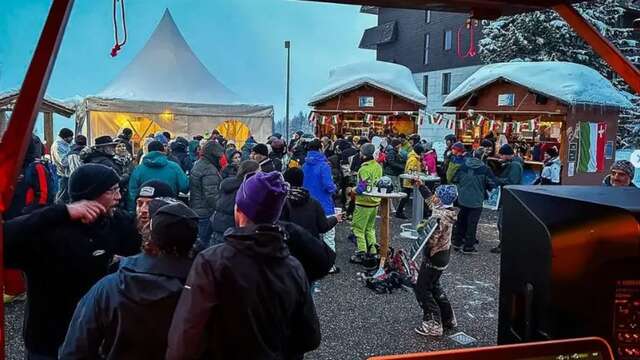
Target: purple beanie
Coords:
[[262, 196]]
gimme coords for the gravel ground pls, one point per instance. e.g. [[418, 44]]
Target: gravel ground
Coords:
[[357, 323]]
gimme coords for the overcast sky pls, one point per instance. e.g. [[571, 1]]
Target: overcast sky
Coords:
[[241, 42]]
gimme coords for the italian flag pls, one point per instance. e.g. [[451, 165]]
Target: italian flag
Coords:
[[593, 137]]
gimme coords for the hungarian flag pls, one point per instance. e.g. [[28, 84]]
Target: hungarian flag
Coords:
[[334, 119], [312, 118], [593, 137]]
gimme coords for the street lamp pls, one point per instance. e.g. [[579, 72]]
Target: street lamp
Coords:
[[287, 45]]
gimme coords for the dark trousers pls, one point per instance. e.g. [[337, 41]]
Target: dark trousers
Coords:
[[429, 293], [467, 227], [404, 200]]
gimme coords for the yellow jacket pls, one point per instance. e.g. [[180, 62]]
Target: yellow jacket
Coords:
[[413, 165]]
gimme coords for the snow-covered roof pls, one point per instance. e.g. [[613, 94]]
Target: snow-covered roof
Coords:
[[167, 70], [394, 78], [61, 107], [568, 82]]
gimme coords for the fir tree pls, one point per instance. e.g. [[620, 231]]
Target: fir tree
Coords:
[[545, 36]]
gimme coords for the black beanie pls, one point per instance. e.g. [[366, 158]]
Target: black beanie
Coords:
[[89, 181], [261, 149], [155, 189], [155, 145], [506, 149], [294, 176], [174, 227]]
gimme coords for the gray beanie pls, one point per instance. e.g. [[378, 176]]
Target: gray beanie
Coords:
[[367, 150]]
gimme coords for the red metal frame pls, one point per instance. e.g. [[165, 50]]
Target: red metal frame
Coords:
[[18, 134], [603, 47]]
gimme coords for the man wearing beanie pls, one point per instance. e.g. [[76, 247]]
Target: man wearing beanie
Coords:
[[59, 151], [64, 250], [260, 153], [127, 315], [364, 216], [510, 174], [249, 290], [156, 166], [622, 173], [152, 189]]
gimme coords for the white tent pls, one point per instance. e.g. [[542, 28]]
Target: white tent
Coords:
[[166, 87]]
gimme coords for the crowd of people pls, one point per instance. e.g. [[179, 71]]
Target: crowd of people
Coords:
[[200, 249]]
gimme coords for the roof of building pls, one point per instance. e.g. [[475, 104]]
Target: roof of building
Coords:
[[377, 35], [373, 10], [8, 98], [393, 78], [568, 82], [167, 70]]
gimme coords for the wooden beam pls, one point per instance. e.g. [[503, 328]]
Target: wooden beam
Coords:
[[48, 129], [18, 134], [603, 47]]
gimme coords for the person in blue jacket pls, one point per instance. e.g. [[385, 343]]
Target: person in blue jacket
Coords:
[[156, 166], [127, 315], [319, 181]]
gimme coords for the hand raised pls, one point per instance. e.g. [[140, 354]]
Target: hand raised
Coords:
[[85, 211]]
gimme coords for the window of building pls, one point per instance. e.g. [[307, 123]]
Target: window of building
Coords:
[[446, 83], [427, 16], [425, 85], [427, 39], [448, 39]]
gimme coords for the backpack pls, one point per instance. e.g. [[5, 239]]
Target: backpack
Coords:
[[399, 271]]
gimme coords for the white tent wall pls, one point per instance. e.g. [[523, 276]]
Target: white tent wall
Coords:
[[109, 116]]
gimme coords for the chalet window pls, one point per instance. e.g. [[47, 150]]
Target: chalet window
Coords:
[[448, 39], [427, 40], [446, 83], [366, 101], [427, 16], [425, 85]]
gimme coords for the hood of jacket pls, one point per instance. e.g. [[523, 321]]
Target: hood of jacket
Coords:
[[473, 163], [144, 279], [263, 241], [155, 159], [230, 185], [448, 214], [298, 196], [315, 157]]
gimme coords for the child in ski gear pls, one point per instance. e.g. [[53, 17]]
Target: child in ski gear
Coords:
[[364, 216], [552, 169], [437, 311]]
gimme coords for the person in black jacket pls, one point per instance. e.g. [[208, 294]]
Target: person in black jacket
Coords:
[[235, 158], [63, 258], [180, 152], [260, 153], [247, 298], [222, 218], [127, 315], [305, 211], [103, 152]]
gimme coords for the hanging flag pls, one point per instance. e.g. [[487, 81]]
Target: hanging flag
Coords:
[[385, 119], [593, 137], [334, 119], [451, 124], [505, 127], [312, 117], [481, 120], [421, 116], [438, 119], [533, 124], [368, 118], [324, 119], [460, 124], [517, 126], [492, 124]]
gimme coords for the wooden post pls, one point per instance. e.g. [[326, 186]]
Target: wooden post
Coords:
[[48, 129], [384, 230]]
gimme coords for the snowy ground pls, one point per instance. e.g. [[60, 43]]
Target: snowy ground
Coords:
[[357, 323]]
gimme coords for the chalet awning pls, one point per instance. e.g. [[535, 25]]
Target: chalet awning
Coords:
[[378, 35]]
